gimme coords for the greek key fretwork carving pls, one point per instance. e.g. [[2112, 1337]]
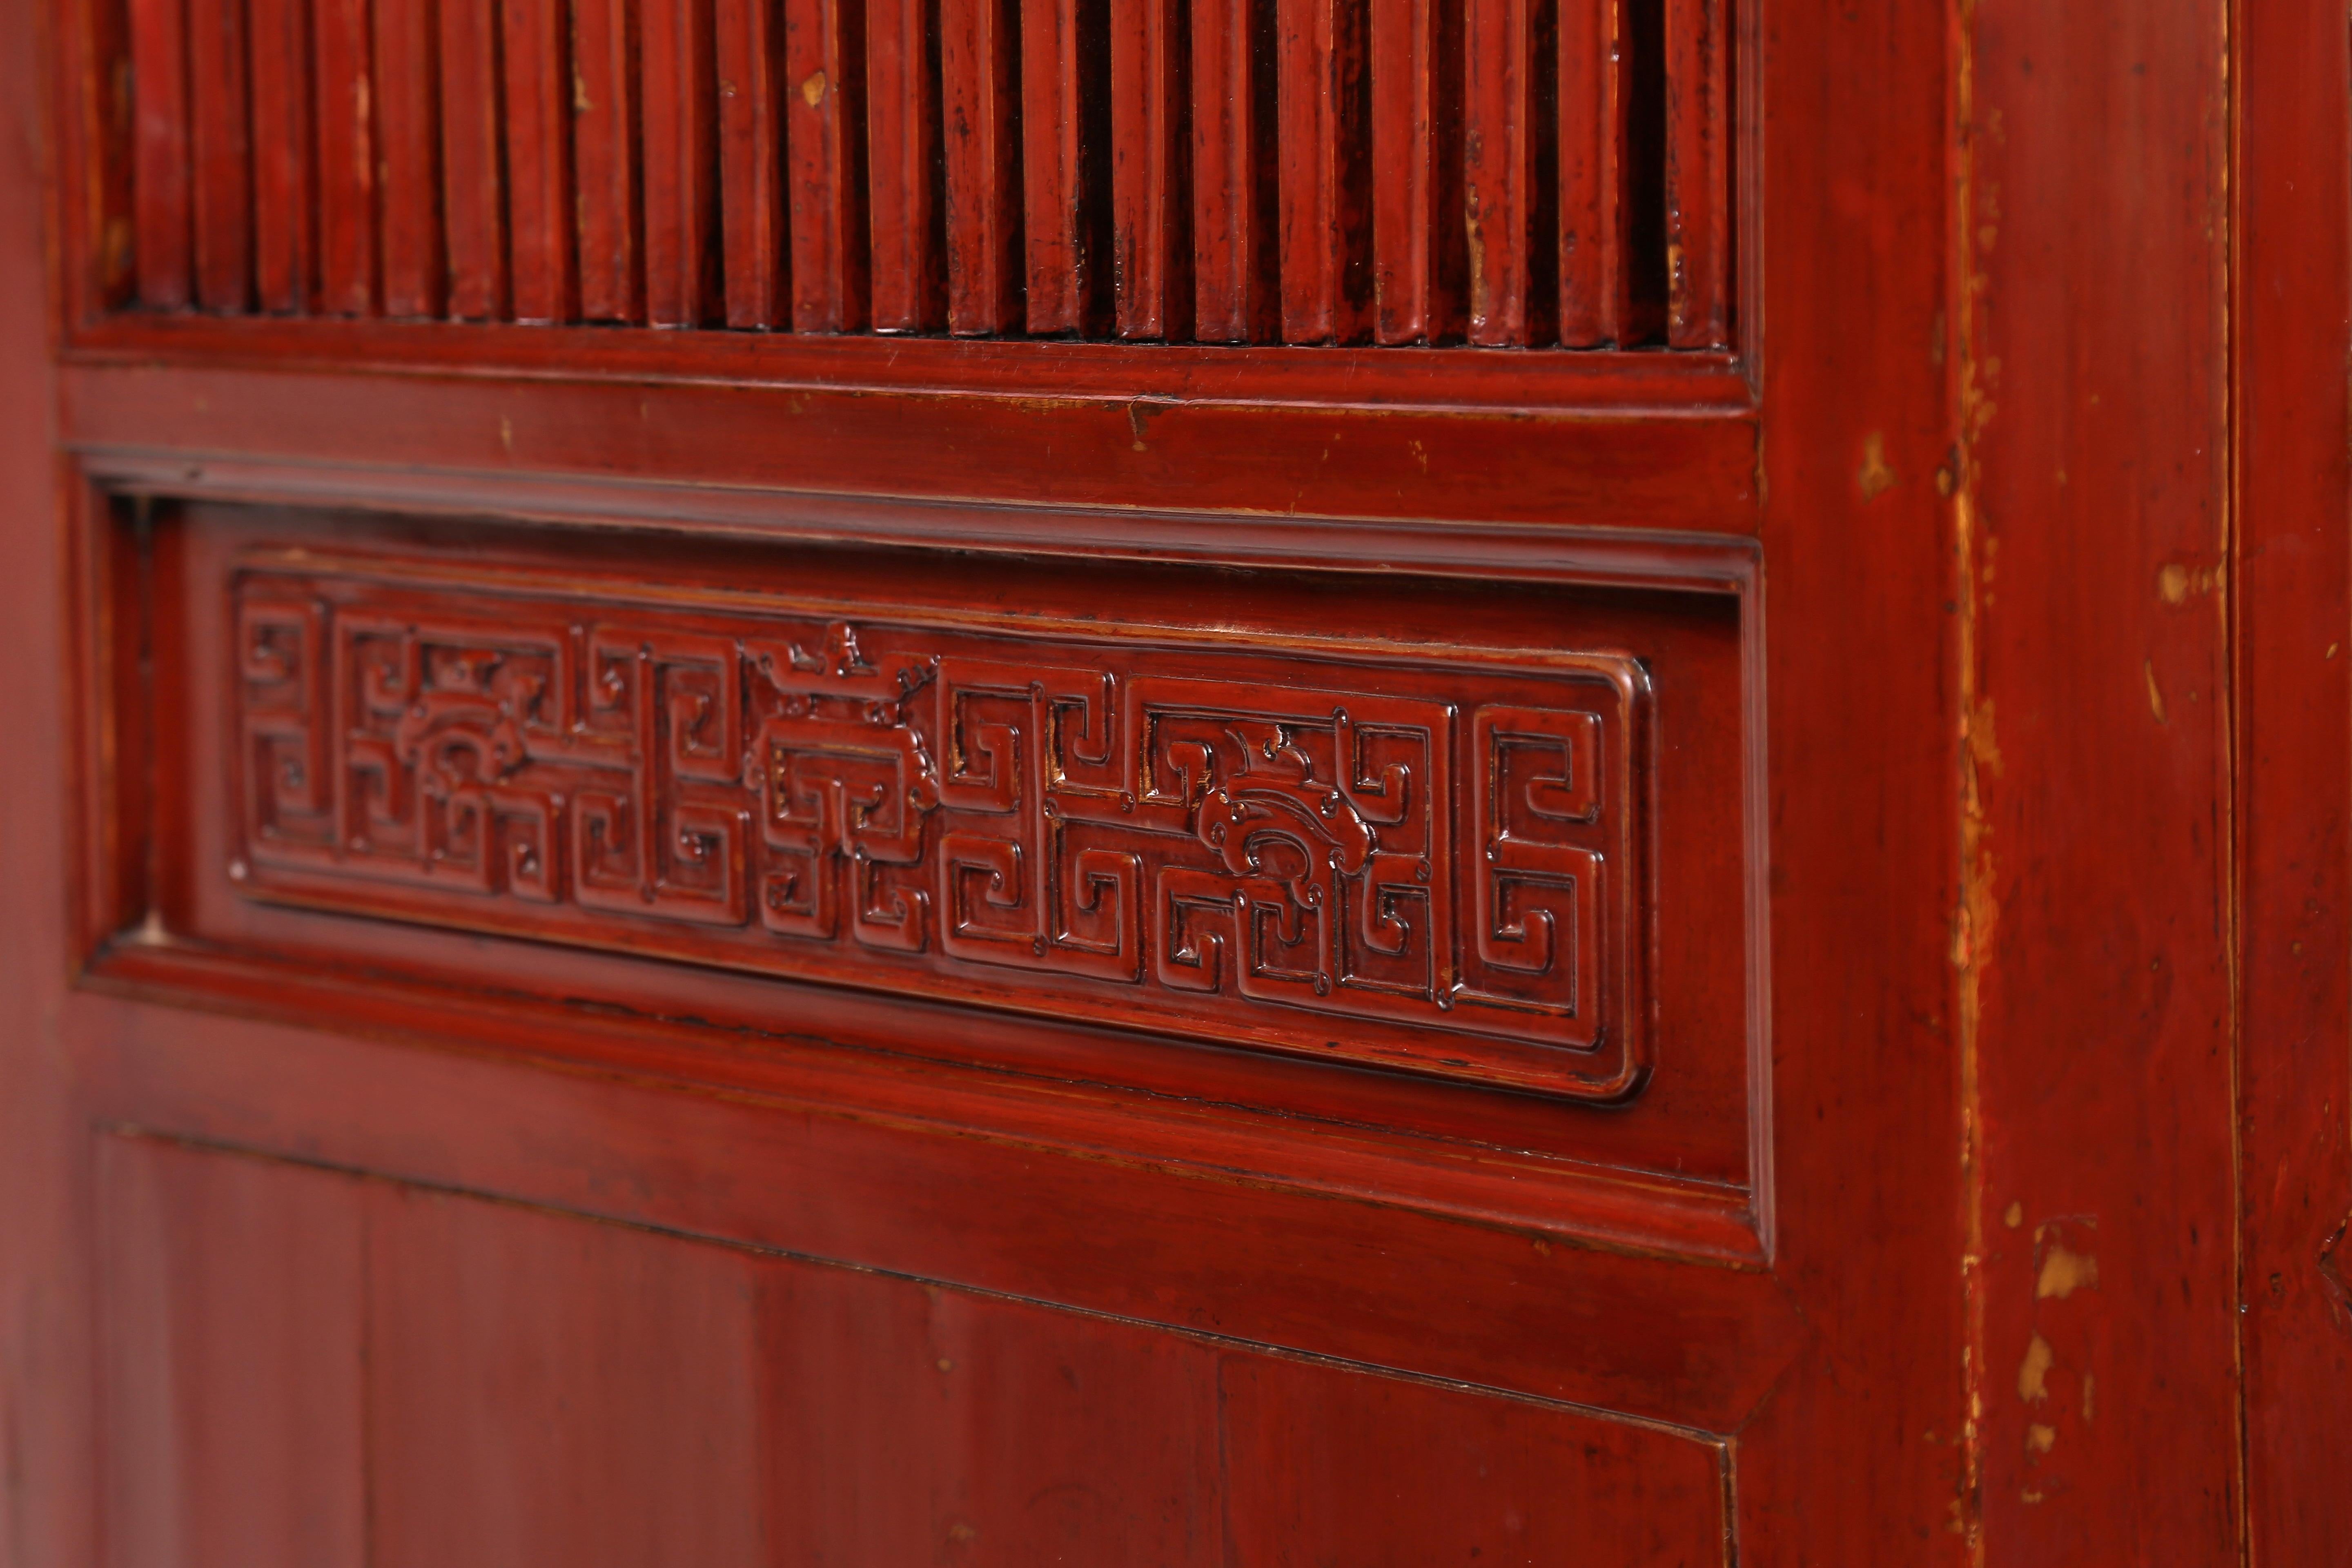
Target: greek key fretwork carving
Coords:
[[1419, 860]]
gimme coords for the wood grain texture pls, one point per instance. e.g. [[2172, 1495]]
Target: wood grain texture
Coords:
[[542, 245], [285, 165], [2291, 563], [1151, 145], [907, 195], [757, 253], [532, 1379], [680, 141], [2096, 782], [607, 149], [473, 174], [161, 146], [1322, 88], [1235, 256], [1420, 248], [349, 162], [824, 142], [220, 149], [407, 99], [232, 1356]]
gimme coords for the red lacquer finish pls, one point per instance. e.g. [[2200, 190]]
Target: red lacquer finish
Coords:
[[1162, 781]]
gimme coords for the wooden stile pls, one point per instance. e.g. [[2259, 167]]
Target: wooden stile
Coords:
[[159, 144]]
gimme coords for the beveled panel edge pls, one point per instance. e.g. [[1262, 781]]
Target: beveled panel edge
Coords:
[[1637, 1214]]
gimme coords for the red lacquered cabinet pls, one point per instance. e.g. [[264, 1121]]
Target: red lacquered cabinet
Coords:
[[1234, 783]]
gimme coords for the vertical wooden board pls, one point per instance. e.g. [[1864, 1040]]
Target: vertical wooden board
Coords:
[[977, 73], [1698, 184], [1325, 1465], [824, 144], [2291, 570], [1868, 1157], [910, 1424], [1418, 241], [549, 1389], [904, 197], [1151, 246], [285, 186], [1322, 81], [1234, 258], [1594, 212], [408, 136], [222, 150], [542, 261], [230, 1354], [2093, 402], [1055, 46], [162, 201], [474, 201], [751, 162], [1499, 167], [681, 162], [605, 151], [347, 157]]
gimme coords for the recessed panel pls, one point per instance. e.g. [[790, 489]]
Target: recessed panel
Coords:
[[1459, 857]]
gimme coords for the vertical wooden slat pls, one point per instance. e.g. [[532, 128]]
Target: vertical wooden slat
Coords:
[[605, 154], [751, 162], [474, 202], [543, 266], [1053, 108], [347, 158], [984, 212], [681, 161], [1151, 148], [903, 151], [1594, 304], [1234, 254], [285, 190], [408, 136], [1698, 303], [1498, 165], [222, 154], [824, 146], [1418, 243], [160, 199], [1325, 175]]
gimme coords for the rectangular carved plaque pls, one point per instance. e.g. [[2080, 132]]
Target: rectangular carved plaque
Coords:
[[1432, 859]]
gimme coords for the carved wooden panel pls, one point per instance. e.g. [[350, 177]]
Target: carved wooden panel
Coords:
[[1428, 859], [1495, 173]]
